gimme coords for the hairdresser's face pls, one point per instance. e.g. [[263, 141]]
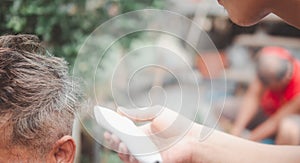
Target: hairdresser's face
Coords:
[[246, 12]]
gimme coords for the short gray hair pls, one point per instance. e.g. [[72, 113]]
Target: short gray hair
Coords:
[[271, 68], [37, 96]]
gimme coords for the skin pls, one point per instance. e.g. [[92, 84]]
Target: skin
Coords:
[[249, 12], [250, 107], [288, 132], [218, 147], [62, 151]]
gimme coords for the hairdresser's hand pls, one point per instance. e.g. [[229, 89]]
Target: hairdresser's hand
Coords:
[[181, 152], [236, 131]]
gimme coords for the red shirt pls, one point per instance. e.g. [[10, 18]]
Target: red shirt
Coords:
[[272, 101]]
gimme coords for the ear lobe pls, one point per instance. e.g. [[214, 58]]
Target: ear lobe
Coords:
[[64, 149]]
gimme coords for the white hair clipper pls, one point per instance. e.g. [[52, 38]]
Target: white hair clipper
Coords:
[[135, 139]]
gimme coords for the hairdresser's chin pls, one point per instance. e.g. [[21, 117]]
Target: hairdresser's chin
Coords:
[[246, 12], [249, 12], [247, 21]]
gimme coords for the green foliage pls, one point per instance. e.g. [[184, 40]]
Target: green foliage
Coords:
[[64, 24]]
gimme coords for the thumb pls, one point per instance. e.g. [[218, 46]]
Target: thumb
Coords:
[[162, 120], [141, 114]]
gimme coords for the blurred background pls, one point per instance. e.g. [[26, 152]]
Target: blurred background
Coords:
[[64, 25]]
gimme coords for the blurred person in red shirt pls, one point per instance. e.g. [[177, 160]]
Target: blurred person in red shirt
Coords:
[[276, 90]]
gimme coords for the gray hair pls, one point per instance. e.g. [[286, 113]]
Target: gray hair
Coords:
[[38, 98], [271, 68]]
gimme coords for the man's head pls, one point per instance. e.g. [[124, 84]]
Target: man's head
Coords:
[[274, 67], [37, 103]]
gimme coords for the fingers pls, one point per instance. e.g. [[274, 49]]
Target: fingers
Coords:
[[115, 143], [162, 119], [169, 123], [123, 153], [141, 114], [124, 156], [132, 159], [112, 141], [128, 158]]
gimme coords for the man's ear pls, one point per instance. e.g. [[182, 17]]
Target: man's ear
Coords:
[[64, 150]]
